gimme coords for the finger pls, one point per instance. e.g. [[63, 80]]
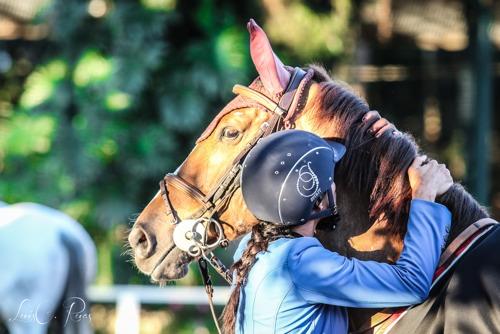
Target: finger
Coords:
[[385, 128], [445, 170], [432, 164], [444, 173], [426, 161], [417, 162], [442, 167], [371, 114], [378, 124], [428, 166]]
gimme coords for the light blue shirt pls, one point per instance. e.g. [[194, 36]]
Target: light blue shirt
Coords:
[[298, 286]]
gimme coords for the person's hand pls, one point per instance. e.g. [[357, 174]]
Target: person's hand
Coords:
[[429, 180], [380, 126]]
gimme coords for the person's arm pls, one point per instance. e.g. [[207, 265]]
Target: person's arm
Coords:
[[322, 276], [325, 277]]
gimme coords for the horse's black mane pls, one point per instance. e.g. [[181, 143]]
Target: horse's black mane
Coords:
[[376, 168]]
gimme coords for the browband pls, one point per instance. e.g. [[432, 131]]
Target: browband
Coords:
[[290, 103]]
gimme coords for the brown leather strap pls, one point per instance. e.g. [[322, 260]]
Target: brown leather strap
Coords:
[[259, 98], [285, 103], [166, 200], [182, 185], [299, 98], [464, 236], [286, 100], [209, 289]]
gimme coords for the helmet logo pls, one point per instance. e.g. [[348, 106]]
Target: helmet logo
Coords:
[[307, 182]]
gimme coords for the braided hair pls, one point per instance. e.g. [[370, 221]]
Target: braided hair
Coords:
[[262, 234]]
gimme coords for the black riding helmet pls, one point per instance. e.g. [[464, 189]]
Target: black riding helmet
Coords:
[[286, 173]]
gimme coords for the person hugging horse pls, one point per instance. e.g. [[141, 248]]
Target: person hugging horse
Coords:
[[375, 197], [285, 281]]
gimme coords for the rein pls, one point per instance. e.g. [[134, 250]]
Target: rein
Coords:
[[191, 235]]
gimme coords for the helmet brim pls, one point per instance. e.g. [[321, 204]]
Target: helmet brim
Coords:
[[338, 149]]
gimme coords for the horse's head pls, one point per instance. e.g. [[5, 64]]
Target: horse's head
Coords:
[[193, 191], [373, 193], [197, 177]]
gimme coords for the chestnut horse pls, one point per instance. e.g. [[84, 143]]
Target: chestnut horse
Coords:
[[373, 195]]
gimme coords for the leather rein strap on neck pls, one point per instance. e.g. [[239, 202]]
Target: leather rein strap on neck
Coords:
[[214, 202]]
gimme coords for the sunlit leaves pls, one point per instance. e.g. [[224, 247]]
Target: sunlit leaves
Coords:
[[78, 209], [160, 5], [41, 84], [92, 67], [231, 48], [106, 149], [98, 8], [24, 135], [116, 101], [308, 33], [182, 111]]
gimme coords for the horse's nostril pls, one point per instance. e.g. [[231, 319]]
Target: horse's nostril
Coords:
[[142, 243]]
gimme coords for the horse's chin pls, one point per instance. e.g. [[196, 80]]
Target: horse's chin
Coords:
[[173, 267], [162, 277]]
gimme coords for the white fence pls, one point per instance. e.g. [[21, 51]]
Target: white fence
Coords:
[[128, 300]]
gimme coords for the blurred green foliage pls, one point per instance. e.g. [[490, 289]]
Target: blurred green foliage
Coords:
[[92, 116]]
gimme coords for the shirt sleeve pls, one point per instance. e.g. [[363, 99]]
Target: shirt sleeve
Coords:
[[322, 276]]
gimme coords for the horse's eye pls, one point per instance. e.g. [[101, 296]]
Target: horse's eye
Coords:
[[230, 133]]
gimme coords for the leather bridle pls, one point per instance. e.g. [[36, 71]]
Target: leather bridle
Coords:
[[215, 201]]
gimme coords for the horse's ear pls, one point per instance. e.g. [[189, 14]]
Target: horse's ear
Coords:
[[272, 73]]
